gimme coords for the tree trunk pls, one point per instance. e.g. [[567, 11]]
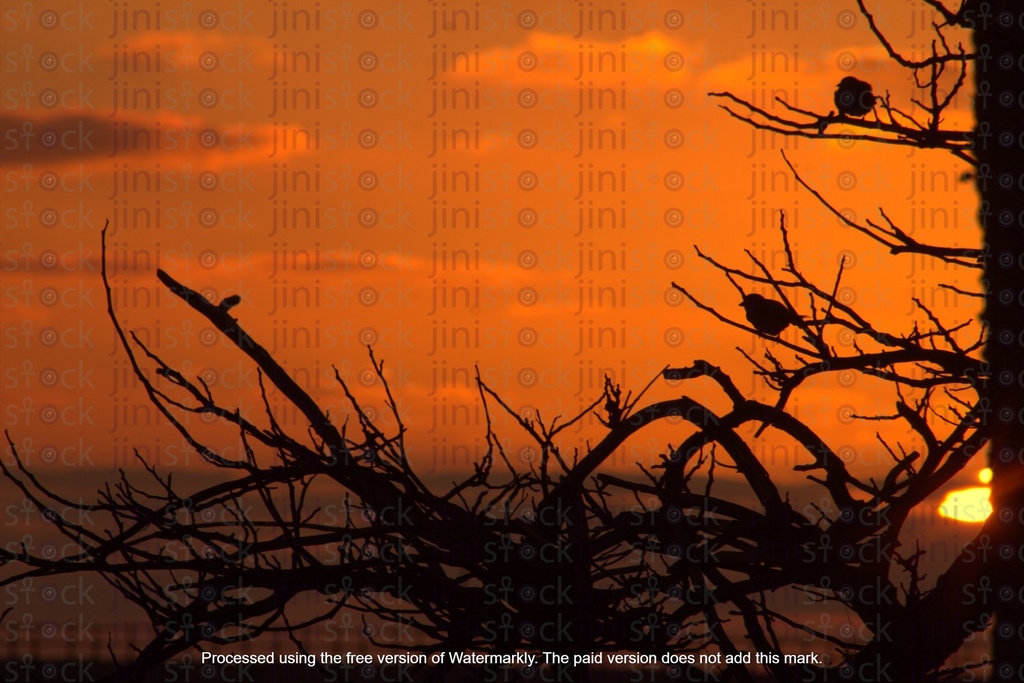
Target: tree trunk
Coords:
[[999, 108]]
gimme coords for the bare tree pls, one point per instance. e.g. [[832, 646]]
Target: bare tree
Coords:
[[993, 148]]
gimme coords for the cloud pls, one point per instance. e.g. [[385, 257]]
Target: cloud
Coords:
[[548, 59], [84, 137]]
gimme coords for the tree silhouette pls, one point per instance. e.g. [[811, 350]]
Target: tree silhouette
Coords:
[[560, 555], [999, 39], [993, 148]]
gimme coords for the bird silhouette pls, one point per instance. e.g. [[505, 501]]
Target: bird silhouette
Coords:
[[854, 97], [767, 316], [230, 302]]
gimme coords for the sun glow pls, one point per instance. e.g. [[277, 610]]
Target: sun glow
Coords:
[[970, 505]]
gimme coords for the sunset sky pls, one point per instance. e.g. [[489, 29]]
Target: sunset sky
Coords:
[[509, 186]]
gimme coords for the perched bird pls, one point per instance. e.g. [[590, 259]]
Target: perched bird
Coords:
[[854, 97], [767, 316], [230, 302]]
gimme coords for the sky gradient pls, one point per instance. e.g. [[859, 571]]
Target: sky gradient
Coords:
[[510, 187]]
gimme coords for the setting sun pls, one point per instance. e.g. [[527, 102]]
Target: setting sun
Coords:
[[970, 504]]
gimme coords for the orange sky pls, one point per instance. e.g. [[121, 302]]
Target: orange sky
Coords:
[[509, 186]]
